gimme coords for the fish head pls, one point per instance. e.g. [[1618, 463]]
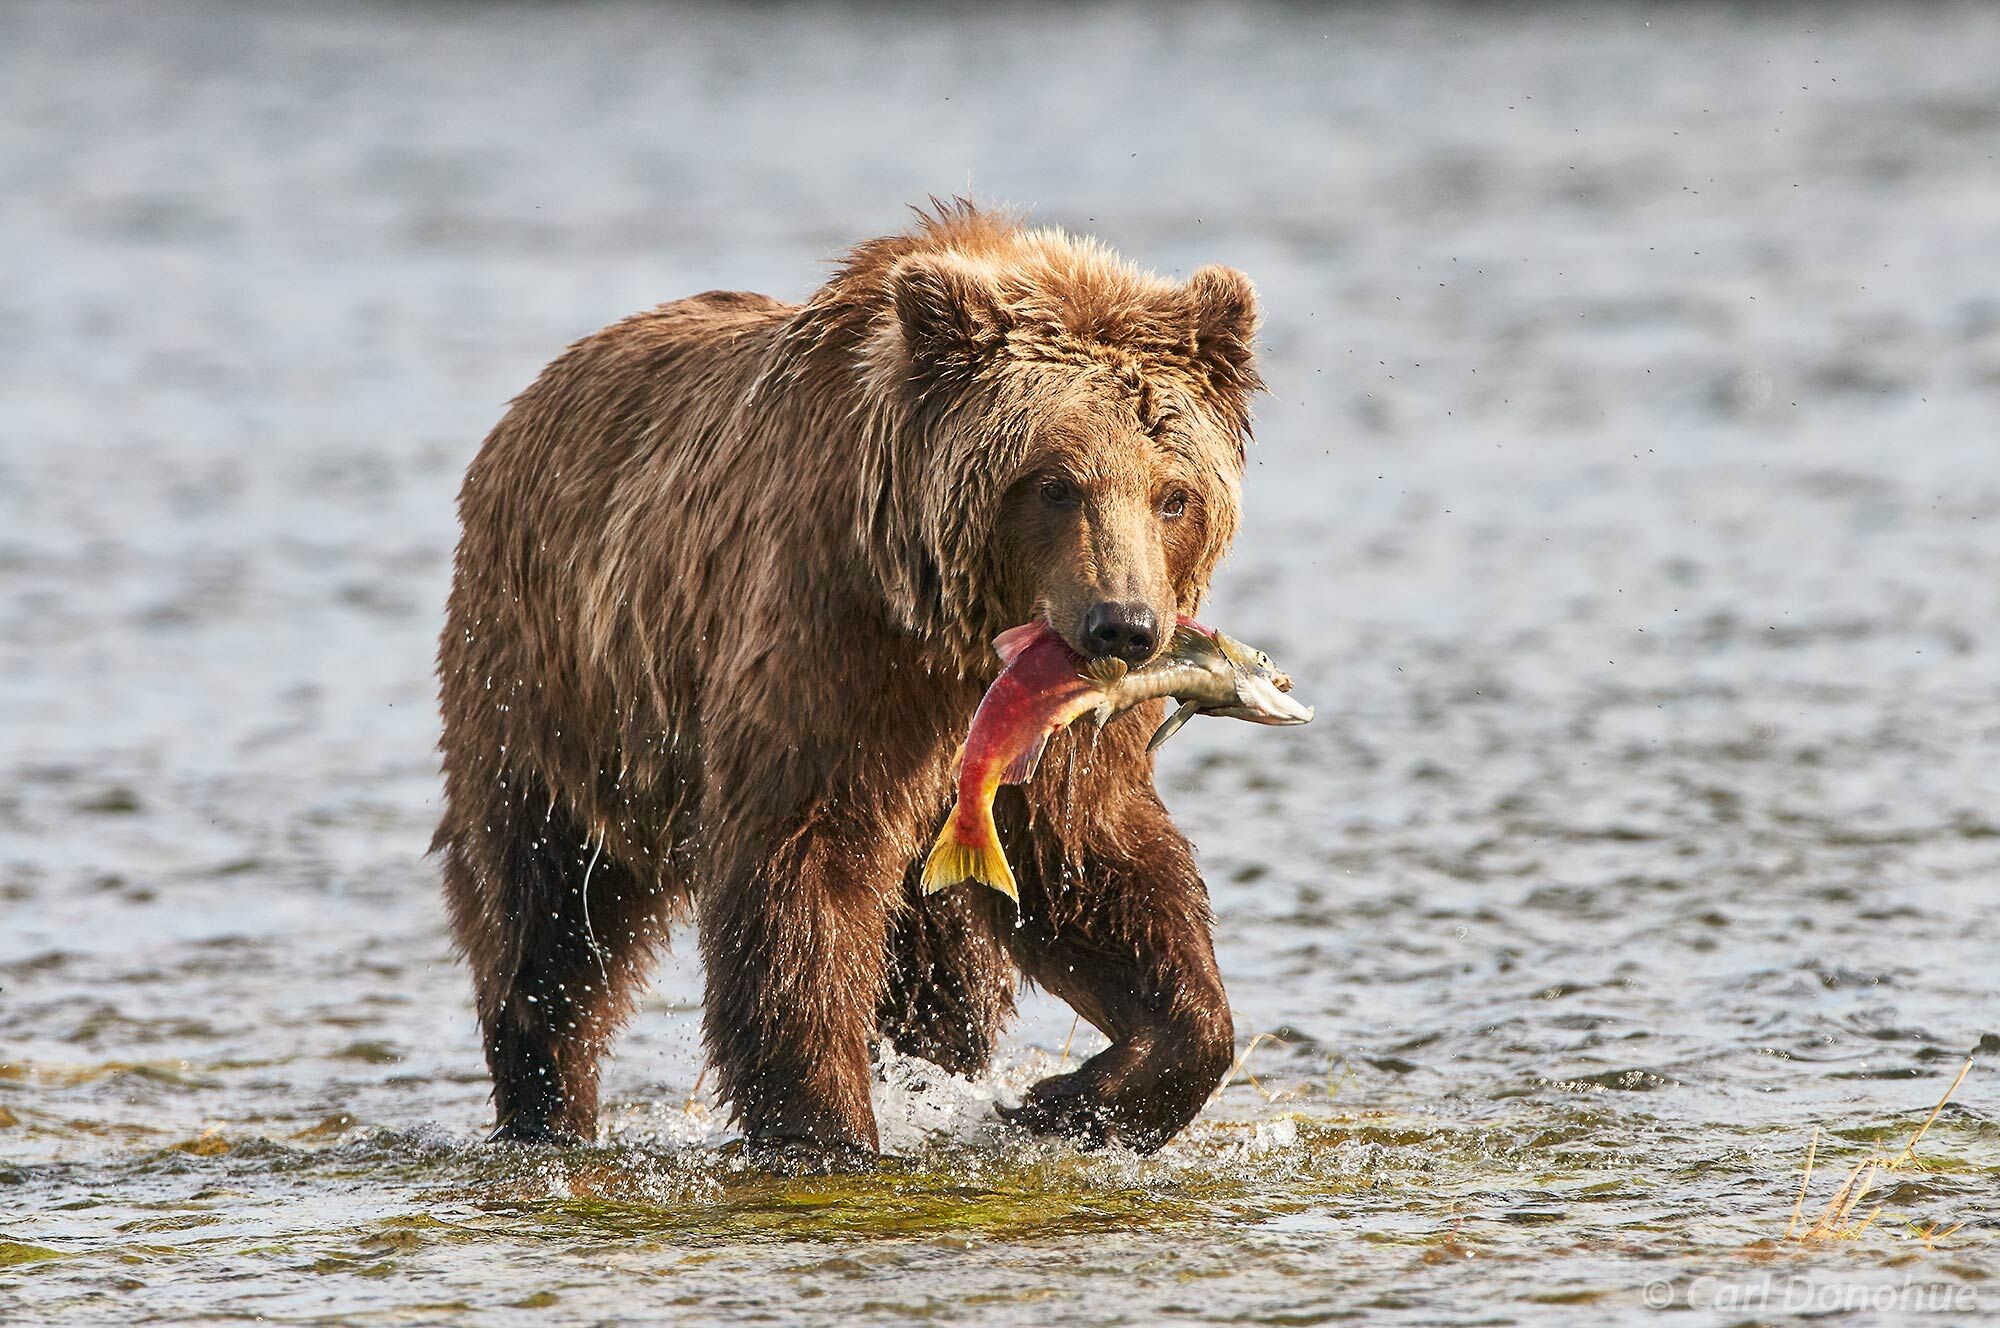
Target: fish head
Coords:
[[1245, 657], [1261, 686]]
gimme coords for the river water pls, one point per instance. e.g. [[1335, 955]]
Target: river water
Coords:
[[1628, 500]]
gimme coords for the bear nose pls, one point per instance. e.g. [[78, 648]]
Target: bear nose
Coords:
[[1120, 630]]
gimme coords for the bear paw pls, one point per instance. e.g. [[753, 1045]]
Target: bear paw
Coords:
[[535, 1132], [1066, 1106], [790, 1157]]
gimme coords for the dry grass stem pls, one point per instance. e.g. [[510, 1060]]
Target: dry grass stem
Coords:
[[1243, 1061], [1805, 1180], [1066, 1041], [1838, 1222]]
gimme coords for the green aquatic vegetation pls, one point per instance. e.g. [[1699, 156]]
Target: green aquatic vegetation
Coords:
[[176, 1222], [172, 1074], [14, 1253], [331, 1127], [1003, 1212], [369, 1052], [1231, 1172]]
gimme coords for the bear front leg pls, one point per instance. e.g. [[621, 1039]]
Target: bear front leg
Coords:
[[796, 946], [1130, 951]]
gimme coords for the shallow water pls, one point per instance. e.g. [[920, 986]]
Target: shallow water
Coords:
[[1628, 500]]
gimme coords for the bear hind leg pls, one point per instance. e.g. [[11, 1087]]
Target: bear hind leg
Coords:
[[559, 936]]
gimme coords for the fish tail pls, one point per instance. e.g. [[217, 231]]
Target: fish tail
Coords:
[[954, 859]]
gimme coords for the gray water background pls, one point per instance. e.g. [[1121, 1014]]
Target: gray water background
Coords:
[[1628, 499]]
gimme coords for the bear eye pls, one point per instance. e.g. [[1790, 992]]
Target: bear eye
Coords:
[[1058, 492], [1175, 504]]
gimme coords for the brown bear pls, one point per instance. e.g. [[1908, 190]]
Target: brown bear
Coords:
[[721, 615]]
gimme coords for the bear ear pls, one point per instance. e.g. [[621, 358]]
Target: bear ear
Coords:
[[949, 310], [1224, 305]]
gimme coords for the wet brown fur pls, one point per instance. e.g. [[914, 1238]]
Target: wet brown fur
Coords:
[[721, 614]]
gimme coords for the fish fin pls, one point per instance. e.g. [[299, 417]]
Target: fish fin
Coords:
[[1102, 715], [953, 861], [1022, 768], [1016, 639], [1172, 724], [1191, 644], [957, 762], [1106, 672]]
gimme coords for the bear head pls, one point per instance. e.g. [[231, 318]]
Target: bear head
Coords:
[[1053, 434]]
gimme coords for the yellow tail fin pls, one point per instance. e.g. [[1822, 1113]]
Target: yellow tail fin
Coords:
[[953, 861]]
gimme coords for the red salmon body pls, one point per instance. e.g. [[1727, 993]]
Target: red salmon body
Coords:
[[1041, 690]]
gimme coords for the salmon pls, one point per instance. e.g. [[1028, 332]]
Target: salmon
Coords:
[[1046, 686]]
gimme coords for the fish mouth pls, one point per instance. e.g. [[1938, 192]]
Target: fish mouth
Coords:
[[1262, 702]]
